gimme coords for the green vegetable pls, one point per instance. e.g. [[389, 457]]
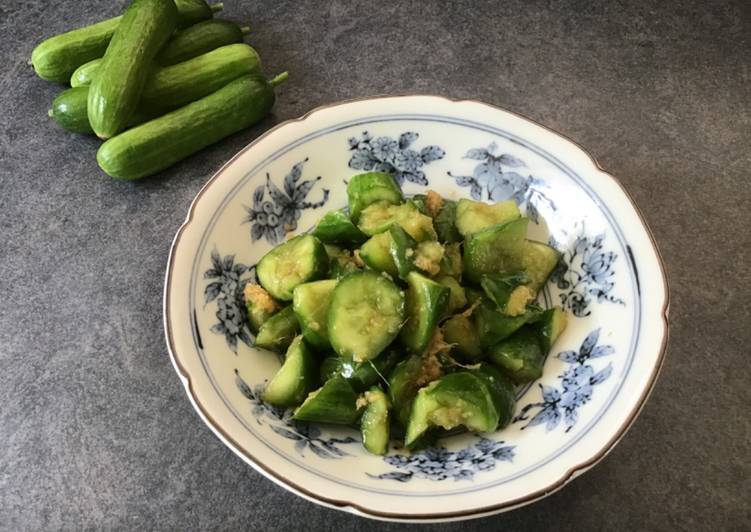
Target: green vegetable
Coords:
[[403, 386], [259, 305], [496, 250], [427, 300], [457, 295], [376, 253], [310, 302], [277, 333], [538, 261], [193, 11], [365, 315], [380, 216], [461, 333], [451, 264], [365, 189], [519, 356], [364, 374], [336, 228], [299, 260], [374, 423], [334, 402], [158, 144], [492, 326], [402, 249], [475, 216], [550, 326], [445, 224], [117, 87], [341, 261], [296, 378], [84, 75], [501, 391], [508, 292]]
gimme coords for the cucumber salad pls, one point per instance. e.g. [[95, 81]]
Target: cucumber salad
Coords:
[[407, 317]]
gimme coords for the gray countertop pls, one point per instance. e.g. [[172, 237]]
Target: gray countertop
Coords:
[[96, 430]]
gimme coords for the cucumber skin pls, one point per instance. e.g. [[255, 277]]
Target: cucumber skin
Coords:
[[158, 144], [365, 189], [114, 94], [55, 59], [199, 39], [69, 111], [84, 75]]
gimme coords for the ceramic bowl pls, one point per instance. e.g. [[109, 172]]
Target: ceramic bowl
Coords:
[[611, 283]]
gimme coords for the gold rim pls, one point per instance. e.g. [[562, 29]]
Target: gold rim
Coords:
[[344, 505]]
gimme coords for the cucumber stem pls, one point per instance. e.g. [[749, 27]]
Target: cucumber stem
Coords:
[[245, 30], [216, 7], [279, 79]]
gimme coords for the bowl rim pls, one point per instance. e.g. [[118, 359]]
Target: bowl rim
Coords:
[[351, 506]]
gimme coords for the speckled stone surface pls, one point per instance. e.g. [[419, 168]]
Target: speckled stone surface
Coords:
[[95, 429]]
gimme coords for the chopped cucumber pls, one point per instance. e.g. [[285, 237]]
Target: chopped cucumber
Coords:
[[519, 356], [363, 375], [508, 292], [365, 189], [427, 300], [296, 378], [552, 323], [277, 333], [457, 295], [429, 257], [259, 304], [341, 261], [402, 249], [460, 332], [475, 216], [539, 261], [451, 263], [376, 254], [403, 387], [379, 217], [374, 423], [310, 301], [334, 402], [336, 228], [493, 326], [496, 250], [501, 390], [297, 261], [365, 315], [445, 224]]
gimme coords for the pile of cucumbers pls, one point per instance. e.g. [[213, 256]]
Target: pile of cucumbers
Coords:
[[157, 83], [411, 317]]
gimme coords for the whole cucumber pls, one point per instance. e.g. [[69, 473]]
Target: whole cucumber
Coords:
[[159, 143], [56, 58], [167, 88], [114, 94]]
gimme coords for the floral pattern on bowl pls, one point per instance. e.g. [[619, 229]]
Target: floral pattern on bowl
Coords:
[[610, 281]]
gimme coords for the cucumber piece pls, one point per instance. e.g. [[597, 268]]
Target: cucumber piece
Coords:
[[461, 333], [376, 254], [402, 386], [427, 300], [363, 375], [334, 402], [310, 302], [160, 143], [259, 304], [496, 250], [445, 224], [365, 315], [365, 189], [299, 260], [84, 75], [419, 201], [117, 87], [336, 228], [277, 333], [374, 423], [402, 249], [475, 216], [492, 326], [501, 390], [457, 295], [451, 263], [199, 39], [552, 323], [539, 261], [297, 377], [519, 356], [380, 216], [457, 399], [509, 292], [56, 58], [341, 262], [429, 257]]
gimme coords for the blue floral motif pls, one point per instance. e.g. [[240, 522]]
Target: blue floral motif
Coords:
[[577, 385], [497, 178], [386, 154], [273, 218], [438, 463], [280, 421], [585, 271], [226, 288]]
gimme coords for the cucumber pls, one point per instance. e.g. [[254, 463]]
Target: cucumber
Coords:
[[116, 90], [365, 315], [310, 302], [297, 377], [457, 294], [538, 261], [429, 257], [552, 323], [402, 386], [341, 261], [427, 301], [445, 224], [160, 143], [380, 216], [451, 264], [374, 423], [363, 375], [277, 333], [334, 402], [475, 216], [336, 228], [492, 326], [84, 75], [460, 332], [519, 356], [299, 260], [509, 292], [365, 189], [402, 249], [496, 250], [259, 304], [457, 399], [56, 58], [501, 391], [376, 254]]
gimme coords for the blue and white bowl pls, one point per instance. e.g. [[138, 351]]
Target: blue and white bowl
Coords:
[[595, 381]]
